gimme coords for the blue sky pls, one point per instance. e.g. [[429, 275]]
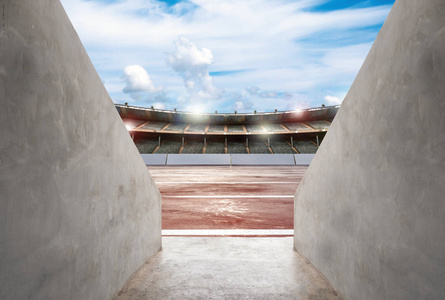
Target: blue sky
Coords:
[[227, 55]]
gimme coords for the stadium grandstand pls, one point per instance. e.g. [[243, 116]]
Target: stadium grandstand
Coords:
[[156, 131]]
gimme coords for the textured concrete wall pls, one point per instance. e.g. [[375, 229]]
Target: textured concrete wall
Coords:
[[370, 212], [79, 212]]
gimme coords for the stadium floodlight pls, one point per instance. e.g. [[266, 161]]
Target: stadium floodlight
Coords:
[[129, 127], [197, 110], [197, 116]]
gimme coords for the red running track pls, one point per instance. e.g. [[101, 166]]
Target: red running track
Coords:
[[224, 197]]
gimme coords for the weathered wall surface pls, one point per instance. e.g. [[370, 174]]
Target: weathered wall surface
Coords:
[[79, 212], [369, 213]]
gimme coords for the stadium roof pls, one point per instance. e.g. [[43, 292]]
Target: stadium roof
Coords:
[[143, 113]]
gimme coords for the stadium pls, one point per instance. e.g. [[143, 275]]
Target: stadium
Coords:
[[174, 132], [114, 201]]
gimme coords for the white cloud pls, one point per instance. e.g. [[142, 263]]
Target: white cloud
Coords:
[[347, 60], [159, 105], [138, 80], [188, 56], [140, 88], [192, 65], [242, 104], [332, 100], [253, 90]]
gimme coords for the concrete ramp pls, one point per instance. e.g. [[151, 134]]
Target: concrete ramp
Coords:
[[369, 213], [79, 212]]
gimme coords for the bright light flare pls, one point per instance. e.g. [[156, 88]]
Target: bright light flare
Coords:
[[129, 127]]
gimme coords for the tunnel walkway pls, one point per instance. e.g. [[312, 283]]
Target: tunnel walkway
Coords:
[[227, 234], [227, 268]]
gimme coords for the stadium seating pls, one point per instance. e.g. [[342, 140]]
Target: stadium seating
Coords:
[[133, 123], [169, 146], [296, 126], [192, 147], [258, 148], [154, 125], [274, 127], [235, 128], [281, 147], [254, 128], [305, 146], [216, 128], [215, 147], [227, 133], [146, 146], [176, 127], [196, 128], [319, 124], [236, 147]]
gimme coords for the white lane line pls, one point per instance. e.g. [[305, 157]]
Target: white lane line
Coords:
[[222, 232], [231, 196], [227, 182]]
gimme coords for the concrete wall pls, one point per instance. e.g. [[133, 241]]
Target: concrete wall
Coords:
[[79, 212], [370, 212]]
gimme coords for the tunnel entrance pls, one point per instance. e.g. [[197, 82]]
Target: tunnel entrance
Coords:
[[227, 200], [227, 234]]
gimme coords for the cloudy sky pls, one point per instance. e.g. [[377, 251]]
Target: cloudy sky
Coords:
[[227, 55]]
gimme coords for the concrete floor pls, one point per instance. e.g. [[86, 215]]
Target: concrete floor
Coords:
[[227, 268]]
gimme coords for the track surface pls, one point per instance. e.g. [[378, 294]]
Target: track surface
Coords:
[[223, 197]]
